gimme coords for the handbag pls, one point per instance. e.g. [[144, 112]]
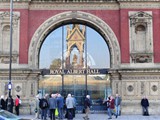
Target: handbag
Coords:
[[56, 112]]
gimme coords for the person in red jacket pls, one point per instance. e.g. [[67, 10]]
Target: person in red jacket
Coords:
[[17, 104], [111, 108]]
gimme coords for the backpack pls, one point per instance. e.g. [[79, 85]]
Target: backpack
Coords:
[[20, 101], [44, 104]]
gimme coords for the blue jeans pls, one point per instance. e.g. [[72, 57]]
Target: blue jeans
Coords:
[[118, 108], [60, 113], [44, 114], [110, 112]]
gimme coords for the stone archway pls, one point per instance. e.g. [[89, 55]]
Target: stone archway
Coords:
[[58, 19]]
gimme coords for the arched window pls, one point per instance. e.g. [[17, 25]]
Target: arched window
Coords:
[[76, 53]]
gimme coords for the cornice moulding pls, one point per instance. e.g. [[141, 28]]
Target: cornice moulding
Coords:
[[22, 5], [77, 6], [123, 4], [138, 0], [139, 5]]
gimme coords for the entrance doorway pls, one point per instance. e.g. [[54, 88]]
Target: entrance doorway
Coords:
[[77, 58]]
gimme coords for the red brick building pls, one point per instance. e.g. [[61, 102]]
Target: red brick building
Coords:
[[129, 27]]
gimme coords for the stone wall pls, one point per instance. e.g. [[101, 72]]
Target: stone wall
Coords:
[[133, 85], [24, 84]]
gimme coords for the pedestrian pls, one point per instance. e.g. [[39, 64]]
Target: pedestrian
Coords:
[[9, 104], [52, 106], [70, 107], [60, 104], [145, 105], [87, 105], [37, 109], [118, 104], [43, 104], [2, 103], [17, 104], [47, 98], [107, 102], [74, 109], [111, 108]]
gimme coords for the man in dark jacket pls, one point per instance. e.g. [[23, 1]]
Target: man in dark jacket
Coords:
[[52, 106], [87, 105], [9, 104], [2, 103], [43, 104], [60, 104], [145, 105]]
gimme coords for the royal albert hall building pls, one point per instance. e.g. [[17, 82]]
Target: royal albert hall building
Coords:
[[77, 61]]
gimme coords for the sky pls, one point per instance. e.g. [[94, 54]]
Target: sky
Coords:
[[98, 55]]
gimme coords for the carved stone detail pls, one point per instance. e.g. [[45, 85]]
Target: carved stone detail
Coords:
[[142, 87], [5, 37], [154, 88], [18, 89], [140, 33], [86, 6], [138, 4], [130, 88]]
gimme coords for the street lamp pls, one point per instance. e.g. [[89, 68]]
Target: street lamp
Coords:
[[10, 56], [10, 62]]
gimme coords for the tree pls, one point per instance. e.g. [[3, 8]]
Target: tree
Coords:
[[56, 64]]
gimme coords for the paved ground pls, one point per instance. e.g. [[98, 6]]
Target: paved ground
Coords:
[[105, 117]]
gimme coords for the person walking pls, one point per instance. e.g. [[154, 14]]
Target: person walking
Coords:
[[52, 106], [145, 105], [107, 102], [111, 108], [70, 107], [118, 104], [9, 104], [17, 104], [60, 104], [2, 103], [47, 96], [43, 104], [37, 109], [87, 105], [74, 109]]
